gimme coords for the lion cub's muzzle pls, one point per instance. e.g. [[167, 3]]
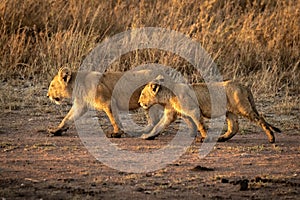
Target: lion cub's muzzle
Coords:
[[145, 106], [56, 100]]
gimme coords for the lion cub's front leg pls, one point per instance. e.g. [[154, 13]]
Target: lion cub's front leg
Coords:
[[168, 117], [75, 112]]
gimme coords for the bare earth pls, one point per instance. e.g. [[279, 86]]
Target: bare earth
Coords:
[[35, 166]]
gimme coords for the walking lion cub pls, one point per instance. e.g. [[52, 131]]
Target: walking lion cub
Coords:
[[239, 102], [91, 89]]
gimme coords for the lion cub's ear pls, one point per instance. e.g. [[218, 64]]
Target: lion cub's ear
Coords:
[[159, 79], [156, 83], [155, 87], [64, 74]]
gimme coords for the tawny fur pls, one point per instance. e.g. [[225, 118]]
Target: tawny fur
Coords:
[[239, 102], [96, 90]]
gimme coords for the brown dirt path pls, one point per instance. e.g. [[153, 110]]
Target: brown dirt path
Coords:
[[34, 166]]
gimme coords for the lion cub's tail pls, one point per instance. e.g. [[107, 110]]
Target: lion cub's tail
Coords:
[[273, 128]]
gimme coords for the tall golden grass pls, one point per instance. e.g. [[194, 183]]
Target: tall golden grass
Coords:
[[255, 41]]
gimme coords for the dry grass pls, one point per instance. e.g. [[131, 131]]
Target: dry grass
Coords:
[[256, 41]]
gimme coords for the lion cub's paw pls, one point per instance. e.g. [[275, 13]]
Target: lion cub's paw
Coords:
[[111, 134], [199, 139], [205, 139], [56, 132], [272, 140], [148, 137]]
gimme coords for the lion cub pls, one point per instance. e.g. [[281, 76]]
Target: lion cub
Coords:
[[91, 89], [239, 102], [104, 92]]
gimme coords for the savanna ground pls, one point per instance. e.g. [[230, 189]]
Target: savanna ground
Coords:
[[35, 166], [256, 42]]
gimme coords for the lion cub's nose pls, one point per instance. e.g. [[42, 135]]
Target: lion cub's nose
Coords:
[[144, 105]]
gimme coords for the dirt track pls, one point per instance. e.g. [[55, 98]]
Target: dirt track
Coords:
[[35, 166]]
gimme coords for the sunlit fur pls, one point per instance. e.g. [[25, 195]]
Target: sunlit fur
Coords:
[[238, 101], [94, 89]]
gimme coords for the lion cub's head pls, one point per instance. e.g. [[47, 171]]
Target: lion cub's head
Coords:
[[148, 95], [60, 86]]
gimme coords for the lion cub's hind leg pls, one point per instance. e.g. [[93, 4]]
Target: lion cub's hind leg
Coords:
[[232, 127], [245, 107], [117, 133], [253, 116]]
